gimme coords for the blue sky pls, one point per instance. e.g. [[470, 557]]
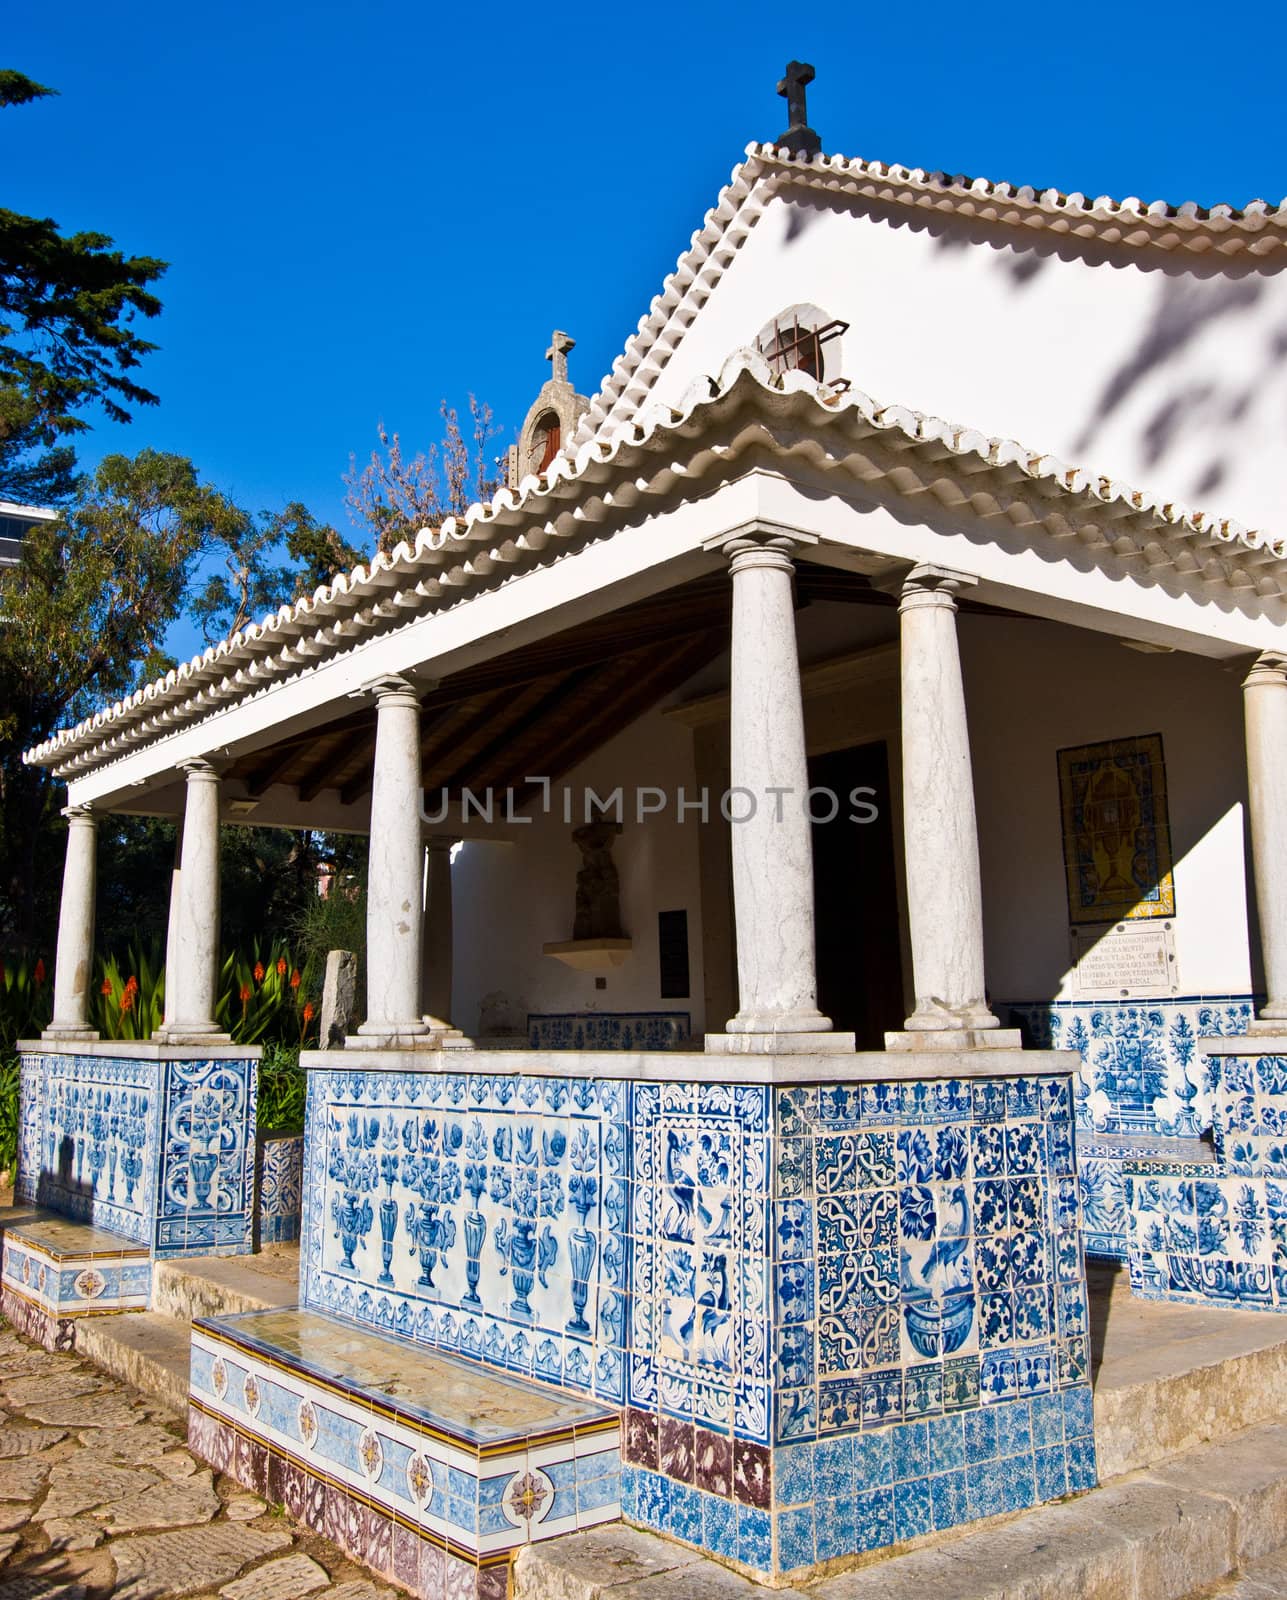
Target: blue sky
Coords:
[[368, 207]]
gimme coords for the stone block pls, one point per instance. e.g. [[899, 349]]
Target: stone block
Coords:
[[585, 1566], [1250, 1472]]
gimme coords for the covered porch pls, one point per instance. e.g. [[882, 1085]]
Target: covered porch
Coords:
[[842, 1204]]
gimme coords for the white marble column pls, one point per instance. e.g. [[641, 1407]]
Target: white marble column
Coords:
[[944, 897], [74, 962], [193, 945], [1264, 701], [435, 975], [172, 927], [769, 823], [394, 918]]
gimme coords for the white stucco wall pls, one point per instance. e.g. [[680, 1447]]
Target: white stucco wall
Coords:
[[1034, 688], [511, 899], [1161, 370]]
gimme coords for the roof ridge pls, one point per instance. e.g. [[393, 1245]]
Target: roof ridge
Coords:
[[352, 602], [1224, 232]]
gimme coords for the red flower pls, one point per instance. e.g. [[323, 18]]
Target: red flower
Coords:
[[127, 999], [294, 979], [281, 966], [39, 973], [308, 1012], [131, 985], [259, 972], [106, 986], [245, 993]]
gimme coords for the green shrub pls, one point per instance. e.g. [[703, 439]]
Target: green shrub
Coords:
[[282, 1087], [26, 1000], [129, 1002]]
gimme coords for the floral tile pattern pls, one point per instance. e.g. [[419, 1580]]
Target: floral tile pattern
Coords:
[[1142, 1069], [159, 1152], [927, 1251], [480, 1213], [846, 1278], [1216, 1234], [700, 1345], [279, 1187]]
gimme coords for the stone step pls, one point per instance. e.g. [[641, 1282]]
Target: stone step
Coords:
[[1170, 1377], [144, 1349], [1159, 1535], [1261, 1580], [222, 1286]]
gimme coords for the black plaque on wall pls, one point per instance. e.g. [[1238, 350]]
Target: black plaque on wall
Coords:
[[672, 946]]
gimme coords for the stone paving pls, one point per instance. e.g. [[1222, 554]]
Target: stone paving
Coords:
[[99, 1496]]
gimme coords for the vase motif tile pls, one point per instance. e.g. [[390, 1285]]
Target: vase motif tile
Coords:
[[159, 1152]]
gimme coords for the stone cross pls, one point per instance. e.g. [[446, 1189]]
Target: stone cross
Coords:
[[560, 344], [799, 136]]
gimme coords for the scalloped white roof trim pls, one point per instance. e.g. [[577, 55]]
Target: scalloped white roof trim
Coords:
[[526, 527], [1257, 230]]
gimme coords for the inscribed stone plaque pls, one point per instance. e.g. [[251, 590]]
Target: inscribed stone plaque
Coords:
[[1116, 828], [1124, 961]]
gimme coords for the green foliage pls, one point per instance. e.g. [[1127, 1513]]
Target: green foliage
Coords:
[[68, 303], [10, 1077], [265, 997], [26, 1000], [86, 612], [129, 1002], [283, 1086], [336, 920], [26, 1004], [318, 548]]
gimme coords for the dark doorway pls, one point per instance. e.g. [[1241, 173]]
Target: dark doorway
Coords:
[[860, 975]]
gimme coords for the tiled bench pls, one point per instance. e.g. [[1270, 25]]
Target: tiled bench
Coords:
[[55, 1271], [430, 1469], [608, 1030]]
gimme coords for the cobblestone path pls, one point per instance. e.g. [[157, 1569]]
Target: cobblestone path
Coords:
[[100, 1496]]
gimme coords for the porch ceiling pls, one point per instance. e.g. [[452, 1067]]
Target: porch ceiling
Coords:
[[543, 708]]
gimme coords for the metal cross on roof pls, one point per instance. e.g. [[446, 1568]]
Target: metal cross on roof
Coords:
[[799, 136], [560, 344]]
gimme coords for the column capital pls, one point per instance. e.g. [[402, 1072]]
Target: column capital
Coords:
[[197, 769], [930, 585], [441, 841], [83, 814], [778, 542], [395, 690], [1269, 668]]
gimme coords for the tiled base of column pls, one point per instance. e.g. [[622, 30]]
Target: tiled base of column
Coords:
[[279, 1187], [428, 1469], [154, 1143], [832, 1498], [54, 1271]]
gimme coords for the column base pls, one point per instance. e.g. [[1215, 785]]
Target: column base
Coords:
[[54, 1034], [447, 1035], [1269, 1023], [934, 1040], [393, 1036], [765, 1043], [177, 1033]]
